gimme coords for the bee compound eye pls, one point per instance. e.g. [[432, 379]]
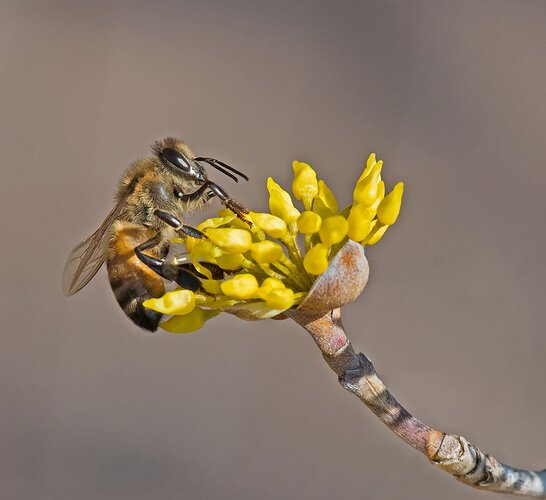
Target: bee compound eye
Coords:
[[175, 158]]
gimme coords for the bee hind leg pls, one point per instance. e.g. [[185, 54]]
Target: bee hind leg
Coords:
[[182, 277]]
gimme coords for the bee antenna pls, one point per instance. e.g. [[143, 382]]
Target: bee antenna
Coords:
[[218, 167], [222, 167]]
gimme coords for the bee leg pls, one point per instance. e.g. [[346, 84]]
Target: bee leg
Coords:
[[172, 221], [193, 196], [166, 270], [210, 190], [237, 208]]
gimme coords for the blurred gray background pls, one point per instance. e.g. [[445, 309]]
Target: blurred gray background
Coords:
[[449, 93]]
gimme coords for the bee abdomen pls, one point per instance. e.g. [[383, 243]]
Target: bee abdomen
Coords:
[[132, 281], [130, 294]]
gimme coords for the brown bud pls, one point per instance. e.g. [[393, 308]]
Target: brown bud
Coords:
[[341, 283]]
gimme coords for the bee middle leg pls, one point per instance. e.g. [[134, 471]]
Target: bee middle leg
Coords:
[[172, 221], [182, 277]]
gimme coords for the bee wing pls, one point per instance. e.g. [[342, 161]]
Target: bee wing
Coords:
[[87, 257]]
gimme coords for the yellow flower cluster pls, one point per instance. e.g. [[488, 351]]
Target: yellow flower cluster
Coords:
[[265, 269]]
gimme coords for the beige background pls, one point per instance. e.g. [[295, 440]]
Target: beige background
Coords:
[[449, 93]]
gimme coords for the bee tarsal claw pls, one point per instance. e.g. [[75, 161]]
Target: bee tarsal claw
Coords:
[[186, 280], [170, 272]]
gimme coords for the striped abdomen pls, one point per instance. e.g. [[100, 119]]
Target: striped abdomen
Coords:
[[132, 281]]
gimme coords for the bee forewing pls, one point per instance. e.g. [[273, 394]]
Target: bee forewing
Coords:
[[87, 257]]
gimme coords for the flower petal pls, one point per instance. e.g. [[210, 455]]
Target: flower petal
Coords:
[[327, 197], [380, 196], [211, 286], [372, 160], [377, 234], [304, 186]]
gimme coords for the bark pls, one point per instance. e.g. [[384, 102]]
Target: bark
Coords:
[[451, 453]]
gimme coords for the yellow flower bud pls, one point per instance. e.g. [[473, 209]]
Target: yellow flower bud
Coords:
[[175, 302], [316, 259], [309, 222], [268, 285], [267, 251], [304, 186], [366, 190], [389, 208], [206, 251], [273, 186], [282, 207], [280, 298], [230, 260], [185, 324], [369, 165], [327, 197], [241, 286], [333, 229], [359, 219], [271, 225], [230, 239]]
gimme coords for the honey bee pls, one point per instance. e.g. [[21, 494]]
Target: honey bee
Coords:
[[153, 198]]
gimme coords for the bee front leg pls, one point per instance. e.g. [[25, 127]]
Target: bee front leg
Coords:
[[181, 276], [210, 190], [237, 208]]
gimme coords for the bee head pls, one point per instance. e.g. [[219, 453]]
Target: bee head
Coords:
[[176, 155]]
